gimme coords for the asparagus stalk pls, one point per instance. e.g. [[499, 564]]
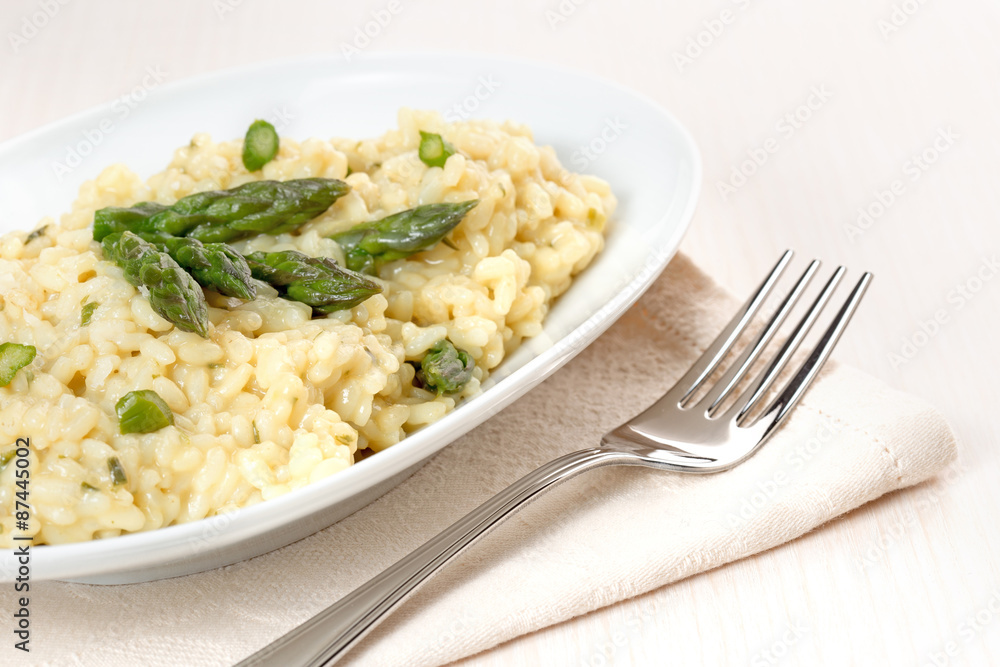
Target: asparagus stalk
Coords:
[[216, 266], [445, 368], [113, 220], [316, 281], [370, 244], [172, 292], [258, 207]]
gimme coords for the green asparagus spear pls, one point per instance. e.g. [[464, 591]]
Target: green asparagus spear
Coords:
[[142, 411], [445, 368], [434, 151], [258, 207], [260, 145], [369, 244], [113, 220], [317, 281], [14, 357], [216, 266], [172, 292]]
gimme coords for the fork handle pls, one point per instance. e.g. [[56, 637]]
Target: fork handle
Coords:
[[326, 637]]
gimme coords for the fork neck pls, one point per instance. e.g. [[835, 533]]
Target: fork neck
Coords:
[[661, 452]]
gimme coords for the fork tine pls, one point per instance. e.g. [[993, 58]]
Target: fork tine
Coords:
[[810, 368], [738, 370], [749, 398], [710, 359]]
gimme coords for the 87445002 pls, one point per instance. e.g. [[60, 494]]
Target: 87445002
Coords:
[[22, 549]]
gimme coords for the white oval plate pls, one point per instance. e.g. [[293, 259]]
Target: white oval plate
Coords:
[[595, 126]]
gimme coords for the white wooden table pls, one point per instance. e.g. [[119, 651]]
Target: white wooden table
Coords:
[[860, 132]]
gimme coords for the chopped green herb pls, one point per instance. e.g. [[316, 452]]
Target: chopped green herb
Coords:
[[6, 457], [216, 366], [35, 234], [142, 411], [87, 312], [14, 357], [434, 151], [260, 145], [445, 368], [256, 433], [118, 476], [349, 171], [90, 487], [346, 439]]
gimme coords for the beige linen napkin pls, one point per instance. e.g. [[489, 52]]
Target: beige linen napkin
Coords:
[[605, 536]]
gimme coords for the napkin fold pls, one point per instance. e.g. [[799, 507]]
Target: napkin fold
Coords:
[[607, 535]]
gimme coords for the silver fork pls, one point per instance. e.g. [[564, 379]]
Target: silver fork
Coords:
[[676, 433]]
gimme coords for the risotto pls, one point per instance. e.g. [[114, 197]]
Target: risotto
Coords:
[[276, 396]]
